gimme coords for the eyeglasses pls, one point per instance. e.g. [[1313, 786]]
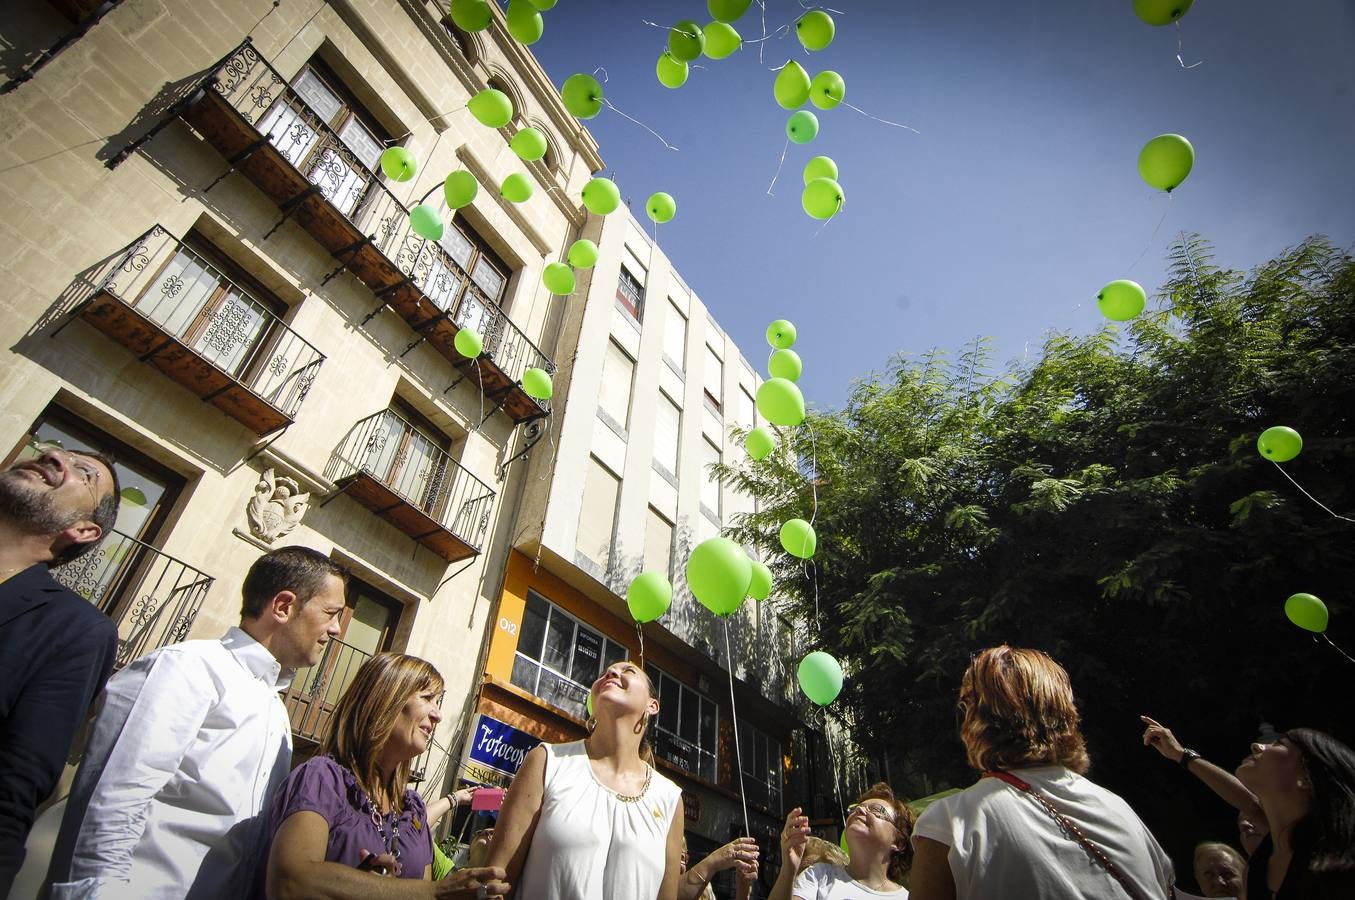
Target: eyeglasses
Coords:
[[875, 810], [84, 469]]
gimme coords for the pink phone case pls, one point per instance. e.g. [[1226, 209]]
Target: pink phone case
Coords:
[[487, 800]]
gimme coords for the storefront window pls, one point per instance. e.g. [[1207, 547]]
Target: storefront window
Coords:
[[686, 734], [761, 767], [558, 657]]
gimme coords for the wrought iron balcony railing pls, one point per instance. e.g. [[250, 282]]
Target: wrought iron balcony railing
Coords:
[[391, 467], [316, 689], [151, 596]]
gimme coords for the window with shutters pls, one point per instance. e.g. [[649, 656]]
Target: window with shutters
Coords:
[[714, 381], [710, 484], [658, 544], [675, 337], [618, 375], [597, 518], [667, 433]]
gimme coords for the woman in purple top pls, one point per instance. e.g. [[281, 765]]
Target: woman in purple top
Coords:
[[344, 824]]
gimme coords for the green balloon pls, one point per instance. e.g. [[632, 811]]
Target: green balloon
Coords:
[[460, 188], [719, 572], [601, 196], [426, 222], [820, 167], [802, 126], [1307, 612], [524, 22], [785, 364], [798, 538], [686, 40], [133, 495], [648, 596], [672, 71], [491, 108], [529, 144], [536, 383], [558, 279], [781, 402], [759, 443], [471, 15], [822, 198], [727, 10], [582, 95], [583, 254], [815, 29], [791, 87], [589, 704], [827, 90], [841, 838], [543, 5], [820, 677], [398, 163], [468, 343], [1161, 12], [1166, 161], [781, 334], [660, 207], [760, 588], [1279, 443], [516, 188], [721, 39], [1121, 300]]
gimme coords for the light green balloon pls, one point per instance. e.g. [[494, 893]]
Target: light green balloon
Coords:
[[558, 279], [660, 207], [648, 596], [759, 443], [719, 572], [820, 677], [133, 495], [1279, 443], [583, 254], [827, 89], [686, 40], [536, 383], [398, 163], [543, 5], [471, 15], [802, 126], [524, 22], [760, 588], [529, 144], [820, 167], [785, 364], [426, 222], [822, 198], [1166, 161], [721, 39], [815, 29], [460, 188], [516, 188], [1307, 612], [781, 402], [727, 10], [791, 87], [582, 95], [589, 704], [1161, 12], [601, 196], [468, 343], [1121, 300], [798, 538], [672, 72], [781, 334], [491, 108]]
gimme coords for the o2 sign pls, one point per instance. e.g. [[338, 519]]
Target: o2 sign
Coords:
[[505, 624]]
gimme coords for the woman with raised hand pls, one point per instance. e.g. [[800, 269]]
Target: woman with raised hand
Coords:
[[740, 854], [344, 824], [591, 820]]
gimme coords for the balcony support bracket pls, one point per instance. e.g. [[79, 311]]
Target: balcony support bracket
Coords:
[[531, 433], [343, 263], [155, 351], [290, 206]]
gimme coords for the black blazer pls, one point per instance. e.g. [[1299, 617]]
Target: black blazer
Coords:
[[56, 652]]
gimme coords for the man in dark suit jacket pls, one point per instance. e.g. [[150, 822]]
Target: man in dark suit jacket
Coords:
[[56, 648]]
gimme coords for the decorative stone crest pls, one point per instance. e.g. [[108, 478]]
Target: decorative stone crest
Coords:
[[276, 507]]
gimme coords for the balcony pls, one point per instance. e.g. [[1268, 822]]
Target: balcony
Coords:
[[151, 596], [397, 472], [176, 311], [273, 136], [316, 689]]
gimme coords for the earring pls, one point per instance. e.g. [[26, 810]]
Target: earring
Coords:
[[591, 724], [1303, 785], [641, 725]]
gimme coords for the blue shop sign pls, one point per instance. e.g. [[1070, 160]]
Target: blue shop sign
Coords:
[[499, 746]]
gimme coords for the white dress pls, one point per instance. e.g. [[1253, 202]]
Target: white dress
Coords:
[[590, 845]]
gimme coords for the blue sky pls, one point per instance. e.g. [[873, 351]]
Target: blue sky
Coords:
[[1019, 199]]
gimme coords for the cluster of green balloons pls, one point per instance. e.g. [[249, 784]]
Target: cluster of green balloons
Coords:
[[823, 196], [1279, 443], [721, 576], [524, 19], [688, 40], [1307, 612]]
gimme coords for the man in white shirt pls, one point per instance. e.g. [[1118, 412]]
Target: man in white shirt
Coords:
[[190, 744]]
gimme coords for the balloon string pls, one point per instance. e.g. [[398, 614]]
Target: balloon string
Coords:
[[763, 5], [1153, 236], [640, 632], [1310, 496], [814, 466], [832, 761], [603, 70], [878, 119], [1180, 50], [609, 105], [480, 379], [784, 148], [734, 714], [1336, 648], [780, 31], [830, 219]]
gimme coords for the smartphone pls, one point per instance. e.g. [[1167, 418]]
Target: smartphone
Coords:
[[487, 800]]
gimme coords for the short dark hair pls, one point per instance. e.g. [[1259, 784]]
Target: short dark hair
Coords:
[[300, 570], [105, 514]]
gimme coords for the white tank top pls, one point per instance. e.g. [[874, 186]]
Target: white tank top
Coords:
[[590, 845]]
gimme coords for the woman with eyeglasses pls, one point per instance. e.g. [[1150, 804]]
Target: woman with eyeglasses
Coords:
[[878, 853]]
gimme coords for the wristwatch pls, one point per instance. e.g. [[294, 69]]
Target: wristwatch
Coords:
[[1186, 756]]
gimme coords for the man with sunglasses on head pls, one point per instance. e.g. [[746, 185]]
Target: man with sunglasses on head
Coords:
[[56, 648]]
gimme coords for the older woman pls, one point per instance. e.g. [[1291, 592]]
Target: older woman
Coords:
[[591, 820], [878, 853], [344, 824], [1033, 826]]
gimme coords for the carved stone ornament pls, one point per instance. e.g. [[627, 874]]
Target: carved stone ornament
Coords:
[[276, 507]]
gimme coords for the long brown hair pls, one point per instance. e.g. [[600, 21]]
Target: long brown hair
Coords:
[[366, 714]]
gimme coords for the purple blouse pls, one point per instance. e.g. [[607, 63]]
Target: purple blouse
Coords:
[[322, 786]]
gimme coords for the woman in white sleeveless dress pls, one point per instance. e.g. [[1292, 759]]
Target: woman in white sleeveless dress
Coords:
[[591, 820]]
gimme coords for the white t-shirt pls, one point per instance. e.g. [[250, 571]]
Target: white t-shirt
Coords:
[[825, 881], [1005, 844]]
